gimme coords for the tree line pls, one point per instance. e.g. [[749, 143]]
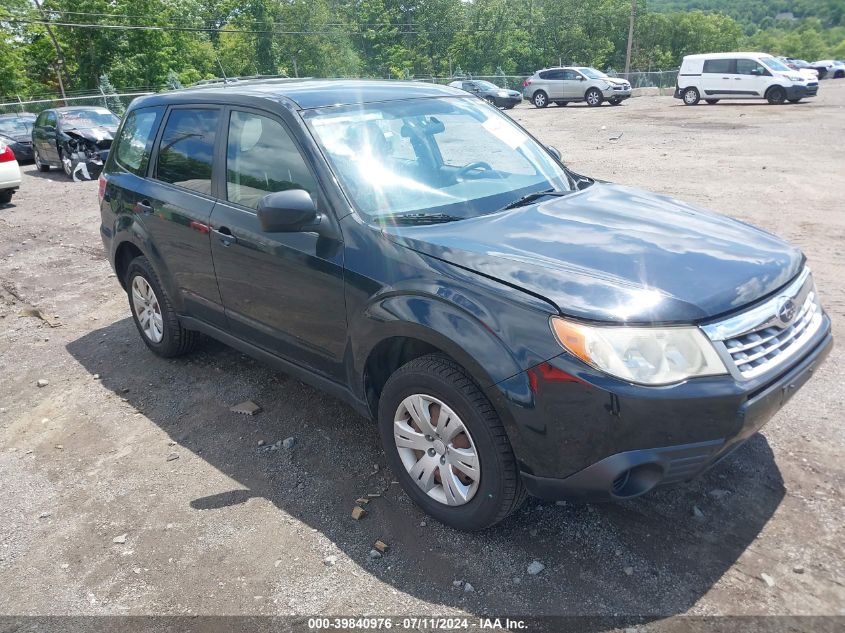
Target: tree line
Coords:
[[147, 44]]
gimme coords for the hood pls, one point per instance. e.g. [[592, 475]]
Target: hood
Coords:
[[96, 135], [23, 137], [615, 80], [612, 253]]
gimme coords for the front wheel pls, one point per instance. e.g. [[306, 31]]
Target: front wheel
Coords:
[[447, 446], [712, 101], [795, 101], [540, 99], [6, 196], [154, 316], [691, 96], [594, 98], [615, 102], [776, 95]]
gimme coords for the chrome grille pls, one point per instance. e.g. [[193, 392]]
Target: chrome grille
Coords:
[[764, 338]]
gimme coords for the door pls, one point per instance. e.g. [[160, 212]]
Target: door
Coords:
[[174, 206], [283, 292], [751, 78], [555, 83], [573, 85], [717, 79], [45, 137]]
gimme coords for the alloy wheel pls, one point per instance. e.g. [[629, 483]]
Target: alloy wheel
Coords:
[[593, 97], [147, 309], [436, 449]]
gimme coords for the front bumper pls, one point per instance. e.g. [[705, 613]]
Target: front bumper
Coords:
[[508, 102], [800, 92], [580, 435], [617, 95]]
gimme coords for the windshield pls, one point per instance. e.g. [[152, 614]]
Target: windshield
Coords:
[[486, 85], [774, 64], [88, 118], [15, 127], [592, 73], [453, 156]]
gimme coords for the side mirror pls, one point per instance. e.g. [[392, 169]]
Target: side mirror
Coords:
[[581, 78], [287, 211], [554, 151]]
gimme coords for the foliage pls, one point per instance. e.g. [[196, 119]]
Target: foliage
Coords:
[[201, 39]]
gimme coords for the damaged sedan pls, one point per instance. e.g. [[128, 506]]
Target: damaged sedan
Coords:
[[75, 139]]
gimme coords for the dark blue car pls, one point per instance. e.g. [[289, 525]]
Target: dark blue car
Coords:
[[510, 325]]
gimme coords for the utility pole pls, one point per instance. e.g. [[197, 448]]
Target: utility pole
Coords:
[[60, 58], [630, 37]]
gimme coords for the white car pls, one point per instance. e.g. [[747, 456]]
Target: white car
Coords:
[[718, 76], [10, 173]]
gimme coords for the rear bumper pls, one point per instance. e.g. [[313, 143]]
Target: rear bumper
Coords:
[[591, 443]]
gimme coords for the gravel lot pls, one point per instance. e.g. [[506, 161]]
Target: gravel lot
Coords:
[[231, 527]]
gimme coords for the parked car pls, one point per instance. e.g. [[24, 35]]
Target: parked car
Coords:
[[16, 132], [510, 325], [570, 84], [801, 66], [830, 69], [717, 76], [76, 139], [10, 173], [490, 92]]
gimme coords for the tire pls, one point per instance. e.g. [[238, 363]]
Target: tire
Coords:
[[795, 101], [43, 167], [561, 104], [67, 167], [712, 101], [594, 97], [691, 96], [615, 102], [6, 196], [496, 492], [540, 99], [839, 74], [776, 95], [174, 339]]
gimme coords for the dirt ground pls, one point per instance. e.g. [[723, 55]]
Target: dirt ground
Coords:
[[123, 443]]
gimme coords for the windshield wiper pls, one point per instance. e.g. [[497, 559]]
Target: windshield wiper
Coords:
[[531, 197], [420, 218]]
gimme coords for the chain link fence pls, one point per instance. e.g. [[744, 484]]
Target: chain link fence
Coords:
[[38, 105], [649, 79]]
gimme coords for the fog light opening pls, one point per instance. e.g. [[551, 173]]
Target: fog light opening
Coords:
[[637, 481]]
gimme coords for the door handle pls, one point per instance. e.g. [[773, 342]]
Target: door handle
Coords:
[[737, 78], [224, 234], [144, 207]]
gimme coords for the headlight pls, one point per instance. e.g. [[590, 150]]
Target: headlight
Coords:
[[795, 77], [644, 355], [608, 86]]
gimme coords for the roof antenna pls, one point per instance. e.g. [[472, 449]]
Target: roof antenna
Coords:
[[219, 63]]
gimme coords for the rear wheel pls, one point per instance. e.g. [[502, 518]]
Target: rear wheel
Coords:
[[154, 316], [712, 101], [561, 104], [594, 97], [540, 99], [776, 95], [615, 102], [446, 445], [6, 196], [41, 166], [691, 96]]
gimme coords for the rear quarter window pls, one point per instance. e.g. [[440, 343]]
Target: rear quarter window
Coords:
[[136, 139], [719, 66]]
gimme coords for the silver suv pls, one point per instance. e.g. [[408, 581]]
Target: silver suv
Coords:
[[574, 83]]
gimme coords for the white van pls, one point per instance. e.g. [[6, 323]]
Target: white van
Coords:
[[717, 76]]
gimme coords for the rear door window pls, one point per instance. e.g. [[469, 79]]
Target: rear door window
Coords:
[[136, 138], [186, 148], [724, 66], [262, 158]]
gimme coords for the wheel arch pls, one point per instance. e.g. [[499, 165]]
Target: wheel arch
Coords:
[[130, 245]]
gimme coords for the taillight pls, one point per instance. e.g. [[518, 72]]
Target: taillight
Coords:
[[101, 189], [6, 153]]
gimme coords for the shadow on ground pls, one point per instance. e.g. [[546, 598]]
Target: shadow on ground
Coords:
[[647, 557]]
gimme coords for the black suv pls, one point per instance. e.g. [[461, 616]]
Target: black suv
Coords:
[[510, 325]]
